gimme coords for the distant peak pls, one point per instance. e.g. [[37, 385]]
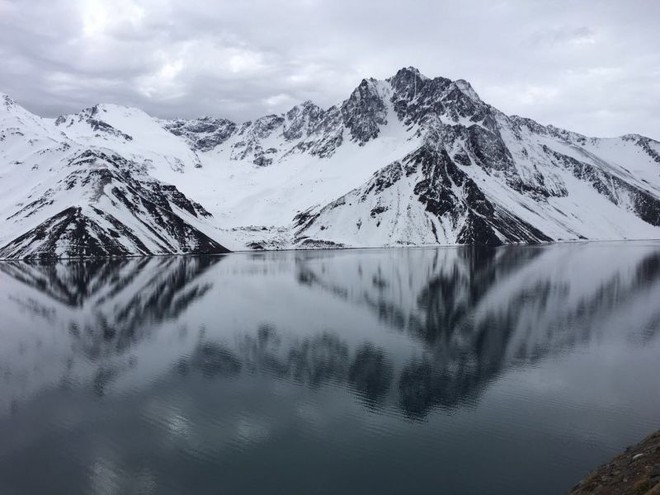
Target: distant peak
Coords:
[[367, 83], [101, 110], [409, 72], [305, 106], [368, 89], [306, 109], [114, 107], [408, 81], [467, 89]]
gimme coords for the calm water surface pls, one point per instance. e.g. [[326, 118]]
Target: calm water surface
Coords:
[[444, 371]]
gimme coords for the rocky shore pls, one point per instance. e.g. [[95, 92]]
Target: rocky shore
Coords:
[[635, 472]]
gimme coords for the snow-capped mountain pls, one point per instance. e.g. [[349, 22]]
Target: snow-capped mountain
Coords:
[[70, 194], [408, 160]]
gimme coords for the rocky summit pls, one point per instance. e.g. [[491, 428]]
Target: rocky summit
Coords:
[[409, 160]]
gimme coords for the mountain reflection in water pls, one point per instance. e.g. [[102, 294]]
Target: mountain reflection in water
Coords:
[[195, 344]]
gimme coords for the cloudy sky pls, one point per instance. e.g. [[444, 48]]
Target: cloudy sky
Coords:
[[588, 65]]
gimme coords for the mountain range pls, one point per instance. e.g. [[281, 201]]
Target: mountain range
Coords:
[[408, 160]]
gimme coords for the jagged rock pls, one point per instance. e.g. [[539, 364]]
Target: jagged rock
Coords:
[[203, 134], [364, 112]]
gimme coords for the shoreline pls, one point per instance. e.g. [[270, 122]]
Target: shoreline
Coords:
[[49, 259]]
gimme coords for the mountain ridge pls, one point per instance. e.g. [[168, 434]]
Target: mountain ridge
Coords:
[[408, 160]]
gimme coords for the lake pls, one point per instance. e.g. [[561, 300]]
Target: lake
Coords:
[[511, 370]]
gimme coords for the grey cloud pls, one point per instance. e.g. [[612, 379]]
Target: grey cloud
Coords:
[[588, 66], [564, 34]]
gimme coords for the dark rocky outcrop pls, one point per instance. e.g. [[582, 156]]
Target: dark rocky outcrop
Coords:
[[364, 112], [634, 472], [203, 134]]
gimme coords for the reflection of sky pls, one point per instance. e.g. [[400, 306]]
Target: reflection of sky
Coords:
[[403, 354]]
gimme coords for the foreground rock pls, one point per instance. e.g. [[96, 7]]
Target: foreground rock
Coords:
[[635, 472]]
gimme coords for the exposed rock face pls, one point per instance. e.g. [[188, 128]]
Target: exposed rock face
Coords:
[[203, 134], [252, 135], [301, 121], [364, 112]]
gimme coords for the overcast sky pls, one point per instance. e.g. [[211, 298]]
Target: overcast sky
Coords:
[[591, 66]]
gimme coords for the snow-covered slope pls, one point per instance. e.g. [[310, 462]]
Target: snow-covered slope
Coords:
[[64, 197], [405, 161]]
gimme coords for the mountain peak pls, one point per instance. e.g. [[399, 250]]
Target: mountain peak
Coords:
[[408, 82], [304, 108], [365, 111], [308, 104], [409, 72], [467, 89]]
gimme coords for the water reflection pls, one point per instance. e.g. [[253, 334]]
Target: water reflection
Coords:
[[479, 311], [399, 333], [474, 312], [112, 304], [314, 362]]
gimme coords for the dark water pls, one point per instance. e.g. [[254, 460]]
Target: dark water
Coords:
[[459, 371]]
